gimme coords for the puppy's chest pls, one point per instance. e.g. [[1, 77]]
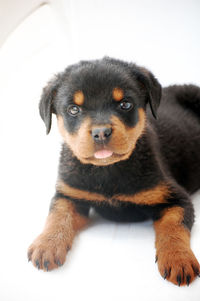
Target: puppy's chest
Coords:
[[103, 181], [125, 186]]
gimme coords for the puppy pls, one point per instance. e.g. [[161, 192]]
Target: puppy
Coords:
[[121, 161]]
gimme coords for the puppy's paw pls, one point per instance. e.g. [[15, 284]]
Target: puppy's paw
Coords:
[[179, 267], [48, 251]]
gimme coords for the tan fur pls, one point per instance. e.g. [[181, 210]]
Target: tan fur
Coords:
[[175, 257], [56, 239], [126, 138], [153, 196], [78, 98], [156, 195], [78, 193], [122, 142], [117, 94], [80, 143]]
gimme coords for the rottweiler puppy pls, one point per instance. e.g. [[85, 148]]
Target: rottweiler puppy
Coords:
[[122, 161]]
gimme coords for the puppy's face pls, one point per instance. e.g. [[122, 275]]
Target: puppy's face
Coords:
[[100, 122], [100, 109]]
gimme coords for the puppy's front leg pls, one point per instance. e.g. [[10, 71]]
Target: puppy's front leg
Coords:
[[49, 249], [176, 261]]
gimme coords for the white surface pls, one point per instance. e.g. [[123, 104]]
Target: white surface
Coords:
[[108, 261], [12, 12]]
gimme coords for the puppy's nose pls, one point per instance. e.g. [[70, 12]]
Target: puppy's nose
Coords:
[[102, 134]]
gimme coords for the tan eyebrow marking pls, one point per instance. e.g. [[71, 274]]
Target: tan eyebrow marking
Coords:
[[117, 94], [78, 98]]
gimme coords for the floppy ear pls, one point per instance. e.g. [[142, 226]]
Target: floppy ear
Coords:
[[152, 87], [46, 106]]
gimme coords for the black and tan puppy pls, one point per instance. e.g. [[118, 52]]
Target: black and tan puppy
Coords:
[[121, 161]]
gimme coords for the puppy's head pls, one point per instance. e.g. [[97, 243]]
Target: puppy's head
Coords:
[[100, 107]]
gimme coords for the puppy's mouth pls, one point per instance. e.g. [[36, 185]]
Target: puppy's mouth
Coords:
[[103, 154]]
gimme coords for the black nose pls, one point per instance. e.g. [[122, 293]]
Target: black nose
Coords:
[[101, 134]]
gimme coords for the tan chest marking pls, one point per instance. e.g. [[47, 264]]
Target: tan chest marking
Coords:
[[153, 196], [156, 195], [78, 193]]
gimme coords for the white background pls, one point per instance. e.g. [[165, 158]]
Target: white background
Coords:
[[108, 261]]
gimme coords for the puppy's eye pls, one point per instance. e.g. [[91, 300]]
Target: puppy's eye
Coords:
[[73, 110], [126, 106]]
